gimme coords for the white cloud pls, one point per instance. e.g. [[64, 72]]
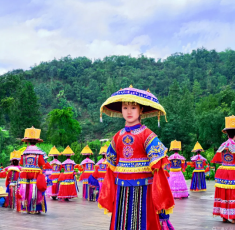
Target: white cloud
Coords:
[[44, 30], [210, 34]]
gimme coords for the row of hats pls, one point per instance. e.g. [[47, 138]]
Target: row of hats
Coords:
[[69, 152], [16, 155], [34, 134], [176, 146]]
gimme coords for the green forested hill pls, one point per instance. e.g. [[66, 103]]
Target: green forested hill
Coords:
[[197, 91]]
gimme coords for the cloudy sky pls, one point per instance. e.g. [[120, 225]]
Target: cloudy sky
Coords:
[[32, 31]]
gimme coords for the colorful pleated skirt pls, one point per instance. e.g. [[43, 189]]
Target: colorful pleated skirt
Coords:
[[32, 200], [11, 200], [178, 184], [224, 201], [134, 209], [198, 183], [68, 186]]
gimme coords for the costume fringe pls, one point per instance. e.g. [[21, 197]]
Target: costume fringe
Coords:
[[175, 170], [225, 186], [227, 167], [133, 170]]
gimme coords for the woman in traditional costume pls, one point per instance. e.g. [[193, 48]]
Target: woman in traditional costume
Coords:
[[224, 204], [68, 183], [95, 180], [32, 182], [198, 183], [177, 181], [88, 169], [135, 189], [93, 185], [47, 171], [56, 168], [13, 172], [102, 163]]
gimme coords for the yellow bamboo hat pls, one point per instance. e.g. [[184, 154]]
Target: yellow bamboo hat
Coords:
[[103, 150], [54, 152], [86, 151], [197, 147], [15, 155], [229, 123], [151, 106], [67, 151], [175, 145], [32, 134]]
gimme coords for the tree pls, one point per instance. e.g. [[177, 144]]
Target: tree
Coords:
[[63, 129], [25, 111]]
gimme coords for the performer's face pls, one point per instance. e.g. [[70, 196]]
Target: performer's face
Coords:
[[131, 113]]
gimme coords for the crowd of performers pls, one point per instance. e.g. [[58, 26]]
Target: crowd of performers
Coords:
[[131, 180]]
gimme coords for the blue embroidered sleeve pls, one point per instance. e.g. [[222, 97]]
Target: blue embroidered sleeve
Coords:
[[111, 155], [155, 149]]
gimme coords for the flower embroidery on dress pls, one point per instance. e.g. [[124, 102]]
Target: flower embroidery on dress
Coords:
[[228, 157], [156, 151], [128, 140], [127, 152], [199, 164]]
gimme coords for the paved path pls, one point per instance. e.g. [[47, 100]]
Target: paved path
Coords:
[[192, 213]]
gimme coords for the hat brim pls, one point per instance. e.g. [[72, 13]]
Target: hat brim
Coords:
[[225, 130], [31, 140], [175, 149], [18, 159], [196, 150], [113, 106]]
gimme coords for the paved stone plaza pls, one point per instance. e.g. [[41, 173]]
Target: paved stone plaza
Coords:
[[192, 213]]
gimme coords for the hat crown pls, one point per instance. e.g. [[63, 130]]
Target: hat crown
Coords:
[[54, 152], [68, 151], [86, 151], [175, 145], [32, 133], [197, 147], [230, 122], [103, 150], [15, 155]]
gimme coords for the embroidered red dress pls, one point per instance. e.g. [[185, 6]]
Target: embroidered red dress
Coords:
[[100, 171], [224, 204], [198, 183], [68, 183], [56, 167], [88, 169], [32, 181], [11, 185], [135, 188]]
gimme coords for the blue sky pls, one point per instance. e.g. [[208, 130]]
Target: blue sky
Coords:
[[32, 31]]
